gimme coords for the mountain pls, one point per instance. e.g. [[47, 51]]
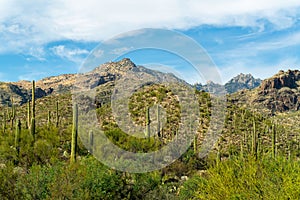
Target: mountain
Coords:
[[210, 86], [103, 76], [240, 82], [277, 94]]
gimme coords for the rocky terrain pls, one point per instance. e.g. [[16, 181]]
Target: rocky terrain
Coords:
[[239, 82], [242, 81], [277, 94]]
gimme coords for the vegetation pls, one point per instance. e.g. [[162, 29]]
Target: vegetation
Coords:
[[257, 157]]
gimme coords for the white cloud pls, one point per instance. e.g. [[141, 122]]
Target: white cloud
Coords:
[[31, 23], [75, 55]]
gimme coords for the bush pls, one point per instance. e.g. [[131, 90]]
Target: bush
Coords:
[[247, 179]]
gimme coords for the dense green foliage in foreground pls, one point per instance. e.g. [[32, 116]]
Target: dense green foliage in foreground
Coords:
[[235, 178], [246, 178]]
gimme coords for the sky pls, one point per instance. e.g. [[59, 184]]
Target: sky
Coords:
[[40, 38]]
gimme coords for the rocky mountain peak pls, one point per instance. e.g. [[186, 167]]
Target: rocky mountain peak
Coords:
[[116, 68], [242, 81], [289, 79]]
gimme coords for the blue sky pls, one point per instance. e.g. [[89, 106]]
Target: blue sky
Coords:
[[41, 39]]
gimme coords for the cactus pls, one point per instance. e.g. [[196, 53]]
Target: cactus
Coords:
[[259, 147], [218, 158], [4, 123], [74, 134], [158, 121], [32, 128], [49, 119], [273, 141], [18, 138], [33, 99], [91, 141], [57, 115], [290, 147], [195, 145], [28, 115], [242, 149], [12, 114], [254, 139], [148, 123], [32, 125]]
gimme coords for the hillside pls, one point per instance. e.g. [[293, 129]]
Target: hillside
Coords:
[[252, 144]]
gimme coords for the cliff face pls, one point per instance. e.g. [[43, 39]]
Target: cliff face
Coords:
[[280, 93], [289, 79]]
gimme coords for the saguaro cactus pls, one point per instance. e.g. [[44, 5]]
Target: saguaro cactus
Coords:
[[4, 122], [218, 158], [28, 115], [18, 138], [158, 121], [57, 115], [12, 113], [254, 139], [49, 119], [32, 126], [148, 122], [74, 134], [195, 144], [91, 141], [273, 140]]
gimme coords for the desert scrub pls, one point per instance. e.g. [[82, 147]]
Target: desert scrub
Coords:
[[247, 179]]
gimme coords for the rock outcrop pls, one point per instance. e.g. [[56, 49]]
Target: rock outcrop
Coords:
[[282, 79], [241, 82], [280, 93]]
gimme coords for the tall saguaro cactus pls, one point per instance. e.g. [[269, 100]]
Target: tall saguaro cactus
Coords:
[[4, 122], [74, 134], [49, 119], [28, 115], [273, 140], [57, 115], [12, 113], [32, 126], [91, 142], [148, 122], [158, 121], [18, 139], [254, 139]]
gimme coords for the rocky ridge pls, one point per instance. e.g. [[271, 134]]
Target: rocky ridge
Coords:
[[240, 82], [277, 94], [103, 75]]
